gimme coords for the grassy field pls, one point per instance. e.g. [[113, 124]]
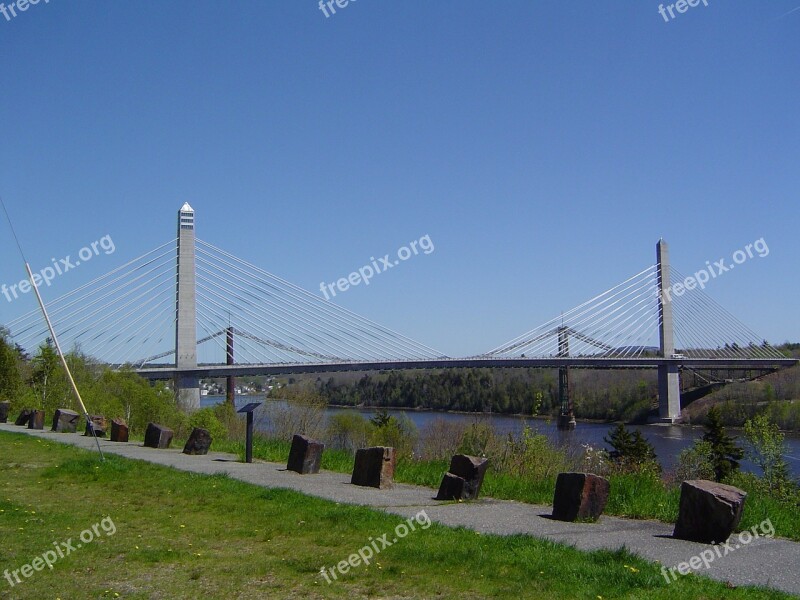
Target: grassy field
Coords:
[[634, 496], [179, 535]]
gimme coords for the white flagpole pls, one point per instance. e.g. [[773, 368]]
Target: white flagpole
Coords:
[[89, 422], [53, 336]]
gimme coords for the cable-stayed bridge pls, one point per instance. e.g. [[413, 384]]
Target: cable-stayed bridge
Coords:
[[189, 309]]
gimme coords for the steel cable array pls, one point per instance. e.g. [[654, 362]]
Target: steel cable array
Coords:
[[624, 321]]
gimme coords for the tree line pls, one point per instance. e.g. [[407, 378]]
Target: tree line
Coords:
[[39, 381], [623, 394]]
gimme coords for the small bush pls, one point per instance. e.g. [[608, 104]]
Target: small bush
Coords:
[[695, 462], [399, 432], [234, 423], [206, 418], [440, 439], [478, 439], [348, 430], [593, 460], [766, 447], [301, 412], [531, 456], [176, 419]]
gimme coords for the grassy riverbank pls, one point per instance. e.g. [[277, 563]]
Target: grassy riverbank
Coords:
[[179, 535]]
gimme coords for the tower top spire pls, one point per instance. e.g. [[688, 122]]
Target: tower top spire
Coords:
[[186, 217]]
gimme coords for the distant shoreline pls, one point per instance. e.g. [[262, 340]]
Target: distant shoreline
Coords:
[[511, 415]]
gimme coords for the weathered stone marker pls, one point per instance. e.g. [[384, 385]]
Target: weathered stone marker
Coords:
[[24, 417], [580, 497], [158, 436], [4, 408], [99, 424], [709, 511], [374, 467], [36, 420], [65, 421], [305, 455], [464, 479], [199, 442], [119, 430]]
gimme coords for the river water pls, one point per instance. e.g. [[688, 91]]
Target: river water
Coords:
[[668, 440]]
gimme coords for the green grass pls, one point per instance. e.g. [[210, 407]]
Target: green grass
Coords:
[[180, 535], [635, 496]]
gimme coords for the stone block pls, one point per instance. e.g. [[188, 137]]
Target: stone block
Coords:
[[24, 417], [65, 421], [464, 479], [100, 426], [451, 488], [199, 442], [709, 511], [374, 467], [158, 436], [119, 430], [305, 455], [36, 420], [580, 497]]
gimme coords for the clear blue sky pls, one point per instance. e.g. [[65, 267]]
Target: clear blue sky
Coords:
[[543, 146]]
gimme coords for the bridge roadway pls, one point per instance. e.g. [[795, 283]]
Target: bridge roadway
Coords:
[[216, 371]]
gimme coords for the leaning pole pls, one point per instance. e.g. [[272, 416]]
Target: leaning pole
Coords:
[[187, 386], [669, 387]]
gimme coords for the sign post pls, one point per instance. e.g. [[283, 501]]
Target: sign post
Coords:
[[248, 409]]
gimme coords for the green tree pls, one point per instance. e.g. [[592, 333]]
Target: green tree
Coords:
[[766, 447], [48, 380], [399, 433], [620, 440], [125, 394], [631, 449], [725, 454], [382, 418], [695, 462], [10, 378]]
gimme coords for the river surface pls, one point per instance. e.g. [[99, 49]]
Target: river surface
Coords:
[[668, 440]]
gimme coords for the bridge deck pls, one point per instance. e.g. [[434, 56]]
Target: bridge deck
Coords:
[[169, 371]]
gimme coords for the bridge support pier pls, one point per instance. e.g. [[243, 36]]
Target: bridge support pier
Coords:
[[669, 393], [669, 386], [187, 388], [566, 416]]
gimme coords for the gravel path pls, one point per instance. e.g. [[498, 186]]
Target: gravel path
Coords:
[[764, 561]]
